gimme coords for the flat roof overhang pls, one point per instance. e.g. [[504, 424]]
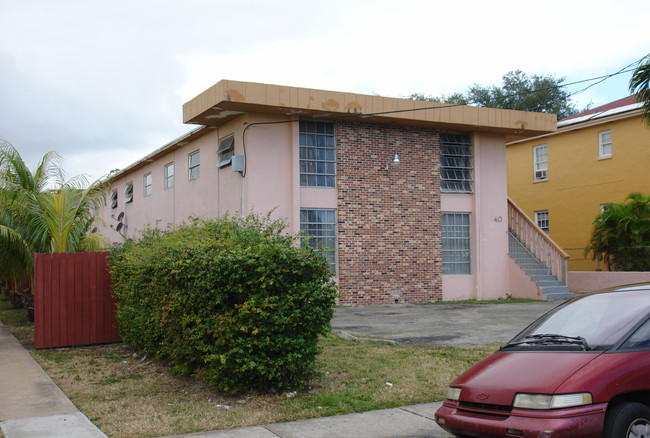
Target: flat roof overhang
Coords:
[[228, 99]]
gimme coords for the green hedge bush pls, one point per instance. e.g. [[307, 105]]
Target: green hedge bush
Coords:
[[235, 301]]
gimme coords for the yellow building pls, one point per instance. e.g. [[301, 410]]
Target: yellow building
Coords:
[[562, 179]]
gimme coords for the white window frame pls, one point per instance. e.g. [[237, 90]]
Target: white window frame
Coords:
[[456, 243], [194, 171], [540, 162], [605, 144], [542, 220], [169, 176], [147, 181], [318, 226]]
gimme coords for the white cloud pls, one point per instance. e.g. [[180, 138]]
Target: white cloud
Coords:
[[104, 82]]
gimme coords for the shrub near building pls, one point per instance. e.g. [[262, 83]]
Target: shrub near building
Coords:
[[235, 301]]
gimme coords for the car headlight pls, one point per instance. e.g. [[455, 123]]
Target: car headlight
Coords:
[[453, 393], [542, 401]]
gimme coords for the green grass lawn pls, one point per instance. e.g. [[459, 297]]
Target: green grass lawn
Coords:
[[128, 395]]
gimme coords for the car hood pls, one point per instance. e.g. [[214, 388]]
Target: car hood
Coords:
[[496, 379]]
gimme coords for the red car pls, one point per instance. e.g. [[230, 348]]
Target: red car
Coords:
[[581, 370]]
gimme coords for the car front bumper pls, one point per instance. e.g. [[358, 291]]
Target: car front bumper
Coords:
[[584, 421]]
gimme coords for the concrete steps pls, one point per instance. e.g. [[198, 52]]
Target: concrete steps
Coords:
[[538, 272]]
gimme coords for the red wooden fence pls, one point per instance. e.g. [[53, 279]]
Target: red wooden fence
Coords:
[[72, 300]]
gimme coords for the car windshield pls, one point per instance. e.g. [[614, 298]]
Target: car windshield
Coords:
[[592, 322]]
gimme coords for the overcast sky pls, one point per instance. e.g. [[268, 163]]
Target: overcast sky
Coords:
[[103, 82]]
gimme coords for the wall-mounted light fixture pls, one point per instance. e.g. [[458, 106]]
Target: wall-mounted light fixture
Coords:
[[394, 162]]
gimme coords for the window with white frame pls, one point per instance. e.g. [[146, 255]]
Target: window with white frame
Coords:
[[319, 230], [147, 185], [541, 219], [456, 244], [456, 163], [194, 165], [169, 176], [540, 161], [605, 144], [317, 154], [128, 193]]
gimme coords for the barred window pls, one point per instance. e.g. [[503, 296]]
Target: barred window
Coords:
[[317, 154], [456, 250], [320, 227], [455, 163]]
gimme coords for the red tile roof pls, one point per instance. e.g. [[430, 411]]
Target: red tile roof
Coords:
[[616, 104]]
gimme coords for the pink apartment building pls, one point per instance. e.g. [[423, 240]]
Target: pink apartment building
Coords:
[[410, 197]]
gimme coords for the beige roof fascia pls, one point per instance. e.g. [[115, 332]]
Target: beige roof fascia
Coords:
[[227, 99]]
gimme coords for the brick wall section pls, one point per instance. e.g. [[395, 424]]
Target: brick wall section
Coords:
[[389, 245]]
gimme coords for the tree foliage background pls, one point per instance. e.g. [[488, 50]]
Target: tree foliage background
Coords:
[[640, 85], [41, 211], [621, 235], [538, 93]]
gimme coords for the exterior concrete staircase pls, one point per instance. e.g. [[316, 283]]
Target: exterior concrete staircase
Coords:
[[537, 270]]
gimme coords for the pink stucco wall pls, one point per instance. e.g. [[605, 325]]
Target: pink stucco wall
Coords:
[[490, 277], [521, 285], [589, 281]]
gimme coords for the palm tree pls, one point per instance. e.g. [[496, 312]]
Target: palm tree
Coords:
[[42, 212], [621, 235], [640, 85]]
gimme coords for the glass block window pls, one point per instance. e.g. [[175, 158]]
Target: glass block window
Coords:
[[605, 144], [169, 176], [317, 154], [541, 219], [456, 250], [540, 161], [320, 226], [455, 163], [147, 185], [194, 165]]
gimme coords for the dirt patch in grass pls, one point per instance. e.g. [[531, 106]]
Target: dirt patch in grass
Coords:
[[128, 395]]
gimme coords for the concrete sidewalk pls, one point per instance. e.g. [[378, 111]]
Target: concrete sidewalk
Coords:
[[405, 422], [31, 405]]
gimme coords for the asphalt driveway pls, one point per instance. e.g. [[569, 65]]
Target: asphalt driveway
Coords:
[[440, 324]]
